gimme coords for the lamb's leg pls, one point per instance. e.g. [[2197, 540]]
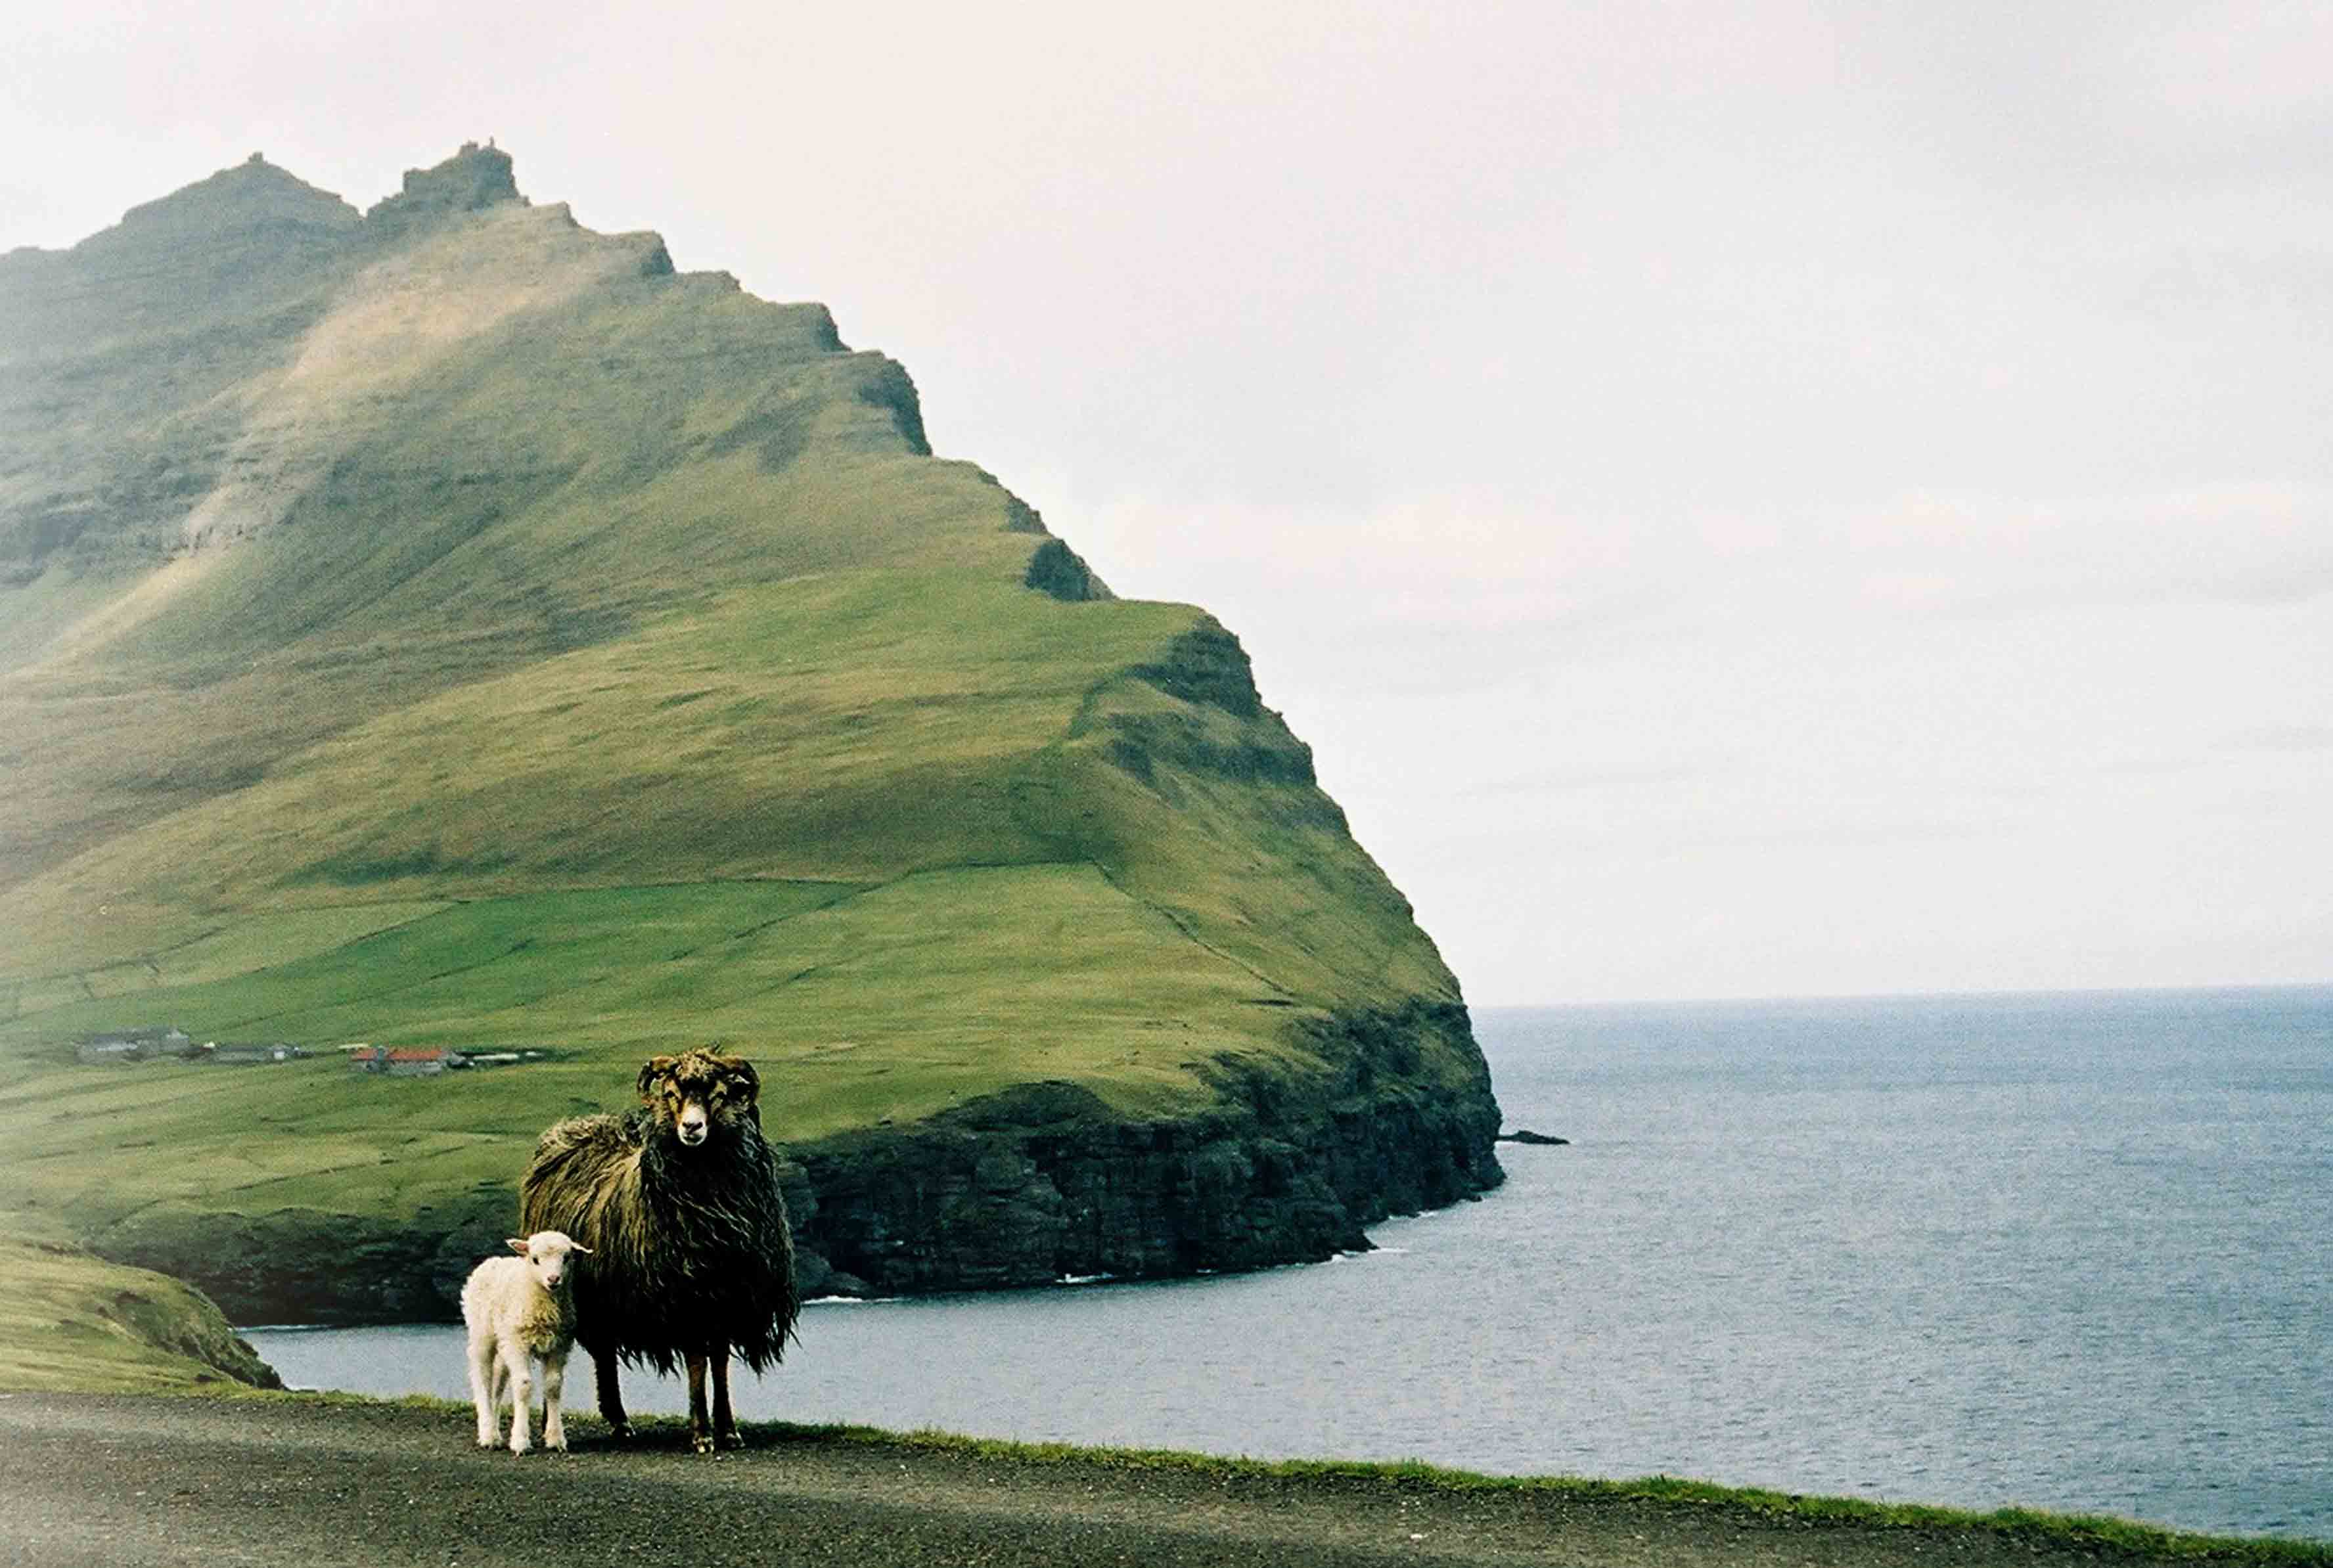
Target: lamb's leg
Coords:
[[610, 1393], [700, 1430], [483, 1389], [725, 1424], [522, 1393], [554, 1378]]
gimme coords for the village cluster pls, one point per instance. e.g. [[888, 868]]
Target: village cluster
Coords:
[[172, 1044]]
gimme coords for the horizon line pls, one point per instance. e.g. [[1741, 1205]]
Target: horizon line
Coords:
[[2002, 993]]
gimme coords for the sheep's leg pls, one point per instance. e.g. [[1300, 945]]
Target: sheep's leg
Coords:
[[700, 1430], [522, 1394], [725, 1424], [611, 1393], [554, 1378], [483, 1378]]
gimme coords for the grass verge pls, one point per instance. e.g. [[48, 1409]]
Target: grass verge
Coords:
[[2094, 1533]]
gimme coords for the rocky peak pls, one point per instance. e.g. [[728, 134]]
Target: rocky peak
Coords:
[[474, 178]]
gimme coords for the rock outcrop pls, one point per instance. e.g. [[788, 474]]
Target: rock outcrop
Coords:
[[472, 179]]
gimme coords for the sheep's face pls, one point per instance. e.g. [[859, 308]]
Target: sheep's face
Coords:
[[546, 1253], [699, 1094]]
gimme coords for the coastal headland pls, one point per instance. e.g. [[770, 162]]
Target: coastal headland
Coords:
[[470, 655]]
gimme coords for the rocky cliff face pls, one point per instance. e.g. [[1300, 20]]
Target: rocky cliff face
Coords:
[[1043, 1184]]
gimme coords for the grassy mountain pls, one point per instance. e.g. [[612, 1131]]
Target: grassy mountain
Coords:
[[449, 625]]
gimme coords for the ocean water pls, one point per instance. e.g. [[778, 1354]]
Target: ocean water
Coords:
[[2070, 1252]]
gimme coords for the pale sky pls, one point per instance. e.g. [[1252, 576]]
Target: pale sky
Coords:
[[1744, 500]]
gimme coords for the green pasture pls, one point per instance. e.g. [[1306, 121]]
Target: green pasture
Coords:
[[858, 1003]]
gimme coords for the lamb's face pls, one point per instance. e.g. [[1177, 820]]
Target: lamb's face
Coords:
[[546, 1253], [699, 1095]]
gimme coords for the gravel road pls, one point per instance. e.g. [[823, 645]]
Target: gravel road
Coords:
[[123, 1482]]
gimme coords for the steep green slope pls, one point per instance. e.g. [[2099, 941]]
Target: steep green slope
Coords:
[[452, 628], [68, 1321]]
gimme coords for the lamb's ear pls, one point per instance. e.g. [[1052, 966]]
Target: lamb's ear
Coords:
[[656, 1067], [743, 1078], [578, 1247], [517, 1244]]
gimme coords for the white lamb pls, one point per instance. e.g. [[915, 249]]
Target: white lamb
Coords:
[[521, 1310]]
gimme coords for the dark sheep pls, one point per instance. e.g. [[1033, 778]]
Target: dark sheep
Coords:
[[691, 1255]]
